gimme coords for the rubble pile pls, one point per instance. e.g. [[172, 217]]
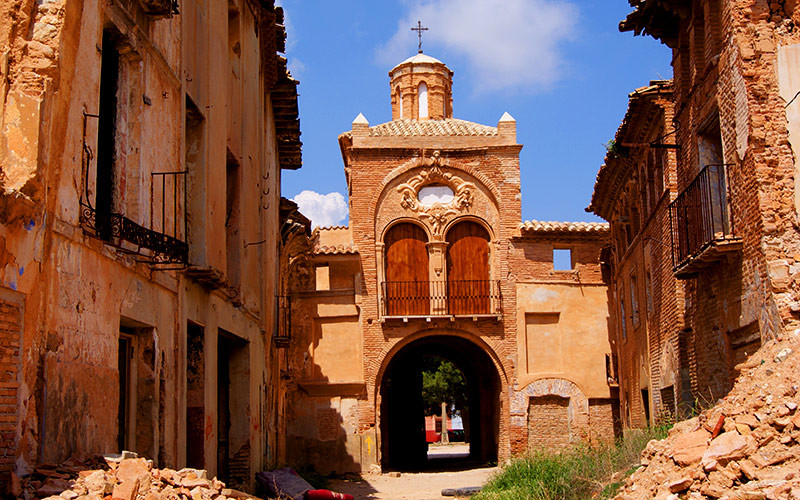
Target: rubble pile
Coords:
[[746, 447], [121, 477]]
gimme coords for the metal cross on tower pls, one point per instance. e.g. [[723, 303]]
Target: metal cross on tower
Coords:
[[419, 29]]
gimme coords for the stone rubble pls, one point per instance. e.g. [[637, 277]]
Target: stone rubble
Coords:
[[120, 477], [747, 447]]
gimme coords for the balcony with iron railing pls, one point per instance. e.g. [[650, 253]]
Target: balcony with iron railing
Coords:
[[429, 299], [701, 226], [162, 239]]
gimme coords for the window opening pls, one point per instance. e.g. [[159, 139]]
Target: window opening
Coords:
[[106, 135], [435, 193], [423, 100], [400, 101], [562, 259], [233, 220], [634, 302]]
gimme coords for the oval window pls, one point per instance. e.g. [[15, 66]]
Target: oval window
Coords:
[[435, 193]]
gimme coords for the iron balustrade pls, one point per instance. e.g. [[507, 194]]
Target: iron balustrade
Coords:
[[699, 215], [170, 189], [165, 242], [441, 298]]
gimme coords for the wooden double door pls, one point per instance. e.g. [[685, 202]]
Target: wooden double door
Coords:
[[409, 291]]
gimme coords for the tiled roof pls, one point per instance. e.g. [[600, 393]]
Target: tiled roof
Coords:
[[333, 240], [336, 250], [537, 226], [446, 127]]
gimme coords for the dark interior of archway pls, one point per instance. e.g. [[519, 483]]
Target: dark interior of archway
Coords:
[[403, 444]]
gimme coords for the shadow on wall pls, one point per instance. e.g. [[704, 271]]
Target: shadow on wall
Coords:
[[322, 431]]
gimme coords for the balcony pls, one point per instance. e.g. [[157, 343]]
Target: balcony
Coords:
[[437, 299], [162, 242], [702, 231]]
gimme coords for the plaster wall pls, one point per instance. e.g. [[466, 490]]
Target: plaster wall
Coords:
[[78, 292]]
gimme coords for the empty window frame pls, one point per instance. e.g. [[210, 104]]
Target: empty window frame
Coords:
[[562, 259], [634, 301]]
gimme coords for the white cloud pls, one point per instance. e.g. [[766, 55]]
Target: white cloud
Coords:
[[296, 67], [323, 209], [508, 44]]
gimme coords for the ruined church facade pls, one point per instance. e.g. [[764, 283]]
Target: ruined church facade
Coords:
[[435, 261]]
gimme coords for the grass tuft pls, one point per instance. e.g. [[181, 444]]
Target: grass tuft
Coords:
[[578, 473]]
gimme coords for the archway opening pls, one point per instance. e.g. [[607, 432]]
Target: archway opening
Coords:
[[403, 408]]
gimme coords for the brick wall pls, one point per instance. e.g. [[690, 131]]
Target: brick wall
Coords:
[[604, 419], [548, 422], [10, 338]]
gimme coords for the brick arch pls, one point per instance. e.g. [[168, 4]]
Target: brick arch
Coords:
[[578, 409], [421, 162], [388, 352], [471, 218], [401, 220], [486, 378]]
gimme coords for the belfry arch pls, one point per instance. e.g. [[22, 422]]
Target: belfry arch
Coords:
[[401, 412]]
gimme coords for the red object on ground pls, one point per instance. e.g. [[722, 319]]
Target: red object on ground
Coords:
[[327, 495], [432, 436]]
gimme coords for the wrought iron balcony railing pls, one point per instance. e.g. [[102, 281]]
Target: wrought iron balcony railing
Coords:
[[164, 239], [700, 222], [441, 298]]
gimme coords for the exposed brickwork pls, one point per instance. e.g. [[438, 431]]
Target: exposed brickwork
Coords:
[[633, 191], [10, 340], [385, 166], [604, 419], [733, 109], [548, 422]]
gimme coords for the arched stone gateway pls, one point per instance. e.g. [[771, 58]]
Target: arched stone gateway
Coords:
[[401, 413], [435, 261]]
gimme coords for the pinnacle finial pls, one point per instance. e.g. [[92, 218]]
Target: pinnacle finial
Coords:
[[419, 29]]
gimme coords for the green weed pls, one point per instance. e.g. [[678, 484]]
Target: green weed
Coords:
[[578, 473]]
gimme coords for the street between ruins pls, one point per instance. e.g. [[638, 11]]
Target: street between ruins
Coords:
[[417, 485]]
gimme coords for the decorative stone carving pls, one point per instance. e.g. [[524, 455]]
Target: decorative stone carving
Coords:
[[436, 215], [300, 273]]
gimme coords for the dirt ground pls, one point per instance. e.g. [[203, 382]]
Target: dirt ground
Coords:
[[417, 485]]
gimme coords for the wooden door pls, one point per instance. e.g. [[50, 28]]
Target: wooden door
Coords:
[[406, 291], [468, 284]]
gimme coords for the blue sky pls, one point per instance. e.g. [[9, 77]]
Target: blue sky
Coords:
[[560, 68]]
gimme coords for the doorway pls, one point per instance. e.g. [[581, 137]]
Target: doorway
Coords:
[[402, 413]]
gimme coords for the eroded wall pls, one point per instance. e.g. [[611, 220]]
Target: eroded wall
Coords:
[[77, 298]]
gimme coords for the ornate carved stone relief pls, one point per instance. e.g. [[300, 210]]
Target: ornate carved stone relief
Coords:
[[438, 214]]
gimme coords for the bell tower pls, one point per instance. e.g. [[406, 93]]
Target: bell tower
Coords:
[[421, 88]]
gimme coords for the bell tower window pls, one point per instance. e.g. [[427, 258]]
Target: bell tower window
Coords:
[[399, 100], [423, 100]]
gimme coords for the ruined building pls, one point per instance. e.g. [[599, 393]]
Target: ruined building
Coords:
[[141, 150], [435, 261], [730, 225], [633, 191]]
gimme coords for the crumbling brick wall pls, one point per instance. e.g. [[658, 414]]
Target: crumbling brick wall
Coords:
[[10, 341]]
